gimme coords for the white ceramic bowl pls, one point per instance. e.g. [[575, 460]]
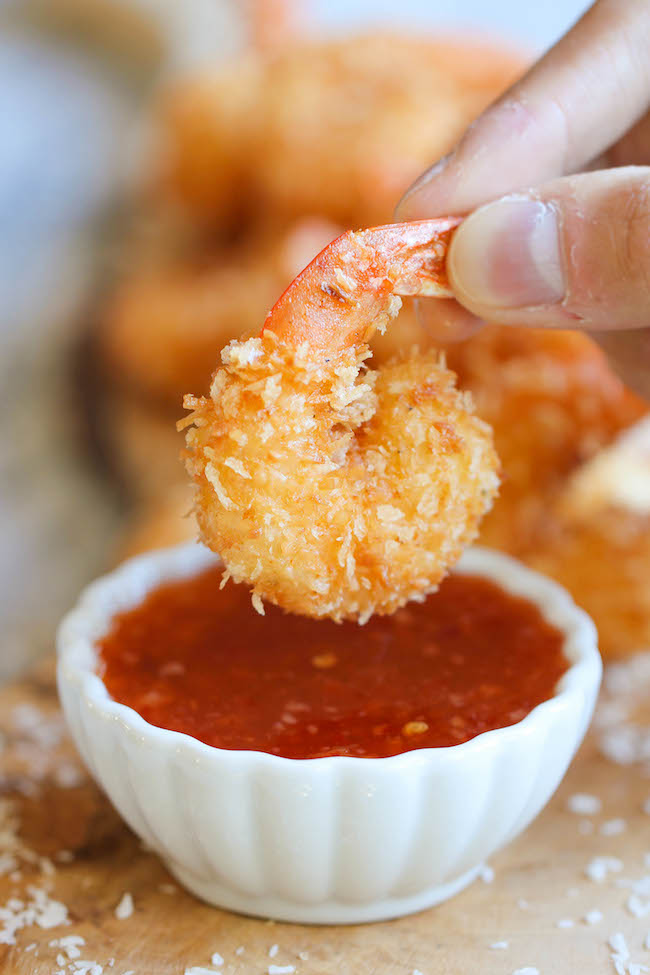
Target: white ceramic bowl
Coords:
[[328, 840]]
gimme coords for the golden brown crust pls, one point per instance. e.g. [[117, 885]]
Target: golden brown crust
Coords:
[[339, 127], [604, 562], [204, 141], [553, 402], [595, 540], [332, 490]]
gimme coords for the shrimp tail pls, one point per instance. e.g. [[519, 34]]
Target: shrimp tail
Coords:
[[349, 289]]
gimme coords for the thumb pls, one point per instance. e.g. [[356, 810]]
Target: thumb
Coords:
[[573, 253]]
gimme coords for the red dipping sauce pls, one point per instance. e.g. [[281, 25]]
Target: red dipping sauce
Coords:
[[200, 660]]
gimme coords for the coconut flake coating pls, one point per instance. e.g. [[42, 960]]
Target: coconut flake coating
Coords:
[[334, 490]]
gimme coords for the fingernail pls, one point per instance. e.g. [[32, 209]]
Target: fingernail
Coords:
[[507, 255]]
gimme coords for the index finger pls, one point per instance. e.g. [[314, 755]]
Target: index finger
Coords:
[[581, 97]]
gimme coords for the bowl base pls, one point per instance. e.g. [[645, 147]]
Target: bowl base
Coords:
[[324, 912]]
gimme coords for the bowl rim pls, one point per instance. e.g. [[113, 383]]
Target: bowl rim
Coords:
[[76, 647]]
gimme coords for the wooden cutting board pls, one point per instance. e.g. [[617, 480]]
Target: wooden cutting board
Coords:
[[91, 859]]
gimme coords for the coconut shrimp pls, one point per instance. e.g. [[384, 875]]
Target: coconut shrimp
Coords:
[[343, 126], [598, 530], [333, 490], [552, 401]]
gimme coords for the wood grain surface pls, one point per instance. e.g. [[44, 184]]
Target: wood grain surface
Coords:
[[538, 881]]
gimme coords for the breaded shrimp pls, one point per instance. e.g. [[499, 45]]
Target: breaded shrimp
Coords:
[[338, 127], [553, 401], [596, 542], [332, 490]]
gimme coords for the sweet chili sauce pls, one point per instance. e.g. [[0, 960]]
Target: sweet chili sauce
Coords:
[[200, 660]]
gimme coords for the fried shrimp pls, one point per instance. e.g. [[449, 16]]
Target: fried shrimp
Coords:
[[333, 490], [552, 401], [389, 104], [596, 541]]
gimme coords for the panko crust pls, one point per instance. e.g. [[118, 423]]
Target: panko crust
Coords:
[[603, 560], [596, 541], [343, 125], [333, 490], [553, 402]]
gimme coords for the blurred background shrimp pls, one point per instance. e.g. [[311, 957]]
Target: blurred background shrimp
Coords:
[[166, 170]]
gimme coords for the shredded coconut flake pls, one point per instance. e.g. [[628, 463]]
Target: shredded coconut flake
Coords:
[[593, 917], [216, 960], [124, 909], [70, 944], [281, 969], [499, 945], [637, 907], [236, 465], [583, 804], [619, 947], [613, 827], [598, 868]]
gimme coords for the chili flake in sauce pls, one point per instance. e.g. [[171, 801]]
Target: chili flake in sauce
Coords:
[[200, 660]]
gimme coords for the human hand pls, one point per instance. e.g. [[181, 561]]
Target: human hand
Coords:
[[574, 251]]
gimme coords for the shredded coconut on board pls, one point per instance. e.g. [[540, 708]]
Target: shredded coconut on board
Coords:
[[613, 827], [593, 917], [600, 867], [124, 909], [584, 805], [626, 687]]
